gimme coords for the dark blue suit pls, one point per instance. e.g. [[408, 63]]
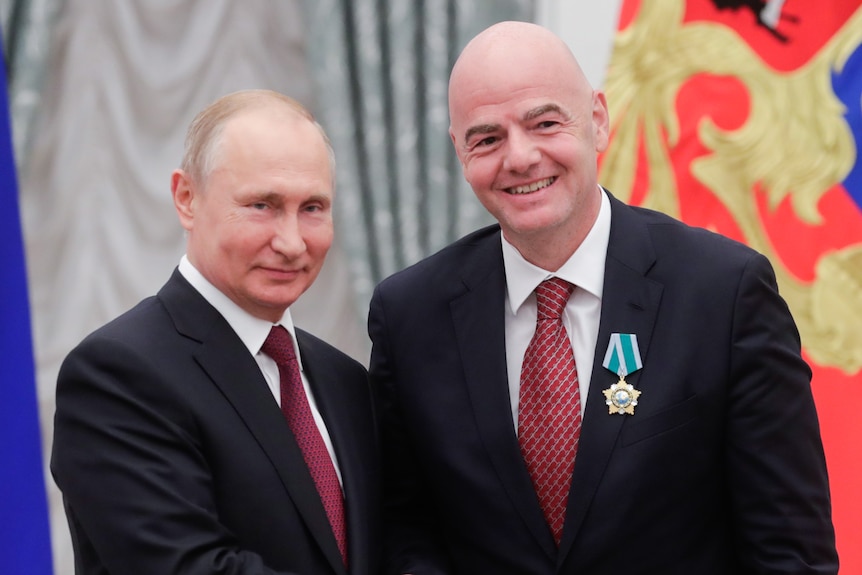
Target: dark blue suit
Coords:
[[174, 458], [719, 471]]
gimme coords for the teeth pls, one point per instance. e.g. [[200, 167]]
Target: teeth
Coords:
[[532, 187]]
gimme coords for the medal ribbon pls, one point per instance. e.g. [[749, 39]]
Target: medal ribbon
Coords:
[[623, 356]]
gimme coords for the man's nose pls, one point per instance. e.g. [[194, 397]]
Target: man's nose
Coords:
[[522, 153], [287, 237]]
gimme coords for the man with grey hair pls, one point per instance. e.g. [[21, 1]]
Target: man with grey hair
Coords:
[[201, 433]]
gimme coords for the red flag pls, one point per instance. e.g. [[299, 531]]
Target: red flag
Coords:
[[745, 117]]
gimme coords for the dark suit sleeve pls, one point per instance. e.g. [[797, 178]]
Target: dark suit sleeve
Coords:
[[137, 488], [410, 533], [776, 467]]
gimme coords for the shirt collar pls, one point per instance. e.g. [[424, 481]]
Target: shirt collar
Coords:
[[251, 330], [585, 268]]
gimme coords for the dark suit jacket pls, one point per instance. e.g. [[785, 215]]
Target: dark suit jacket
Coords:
[[720, 471], [174, 458]]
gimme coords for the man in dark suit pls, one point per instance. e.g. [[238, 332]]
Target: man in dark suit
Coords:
[[170, 448], [658, 420]]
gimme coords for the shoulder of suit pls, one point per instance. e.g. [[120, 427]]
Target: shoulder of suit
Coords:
[[131, 321], [475, 249], [664, 224], [669, 234]]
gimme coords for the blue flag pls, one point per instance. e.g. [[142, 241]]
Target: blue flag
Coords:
[[25, 540]]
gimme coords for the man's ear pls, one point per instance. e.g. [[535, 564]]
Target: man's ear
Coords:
[[601, 121], [183, 191]]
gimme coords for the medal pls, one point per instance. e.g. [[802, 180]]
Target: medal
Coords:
[[622, 358], [622, 398]]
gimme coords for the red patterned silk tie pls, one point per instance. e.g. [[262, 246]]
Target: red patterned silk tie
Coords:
[[549, 409], [294, 405]]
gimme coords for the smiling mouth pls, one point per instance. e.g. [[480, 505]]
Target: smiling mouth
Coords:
[[530, 188]]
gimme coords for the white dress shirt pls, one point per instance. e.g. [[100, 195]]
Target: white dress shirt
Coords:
[[253, 333], [586, 270]]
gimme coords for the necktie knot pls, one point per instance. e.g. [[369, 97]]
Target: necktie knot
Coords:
[[551, 298], [279, 345]]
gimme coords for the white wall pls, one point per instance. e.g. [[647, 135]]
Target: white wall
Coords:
[[587, 27]]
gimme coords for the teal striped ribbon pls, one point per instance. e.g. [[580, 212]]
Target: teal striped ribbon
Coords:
[[623, 356]]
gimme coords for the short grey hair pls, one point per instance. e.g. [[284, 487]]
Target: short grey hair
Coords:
[[205, 131]]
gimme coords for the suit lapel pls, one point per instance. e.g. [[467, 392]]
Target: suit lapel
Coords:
[[630, 304], [477, 315], [341, 408], [234, 371]]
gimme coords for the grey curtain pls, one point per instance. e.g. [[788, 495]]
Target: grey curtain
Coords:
[[27, 27], [381, 71]]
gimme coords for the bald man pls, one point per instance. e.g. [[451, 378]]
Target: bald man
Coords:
[[201, 432], [586, 387]]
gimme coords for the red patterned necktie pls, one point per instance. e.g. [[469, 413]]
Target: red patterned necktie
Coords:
[[294, 405], [549, 409]]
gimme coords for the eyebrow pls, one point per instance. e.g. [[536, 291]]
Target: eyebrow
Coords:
[[545, 109], [275, 197], [480, 129], [530, 115]]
